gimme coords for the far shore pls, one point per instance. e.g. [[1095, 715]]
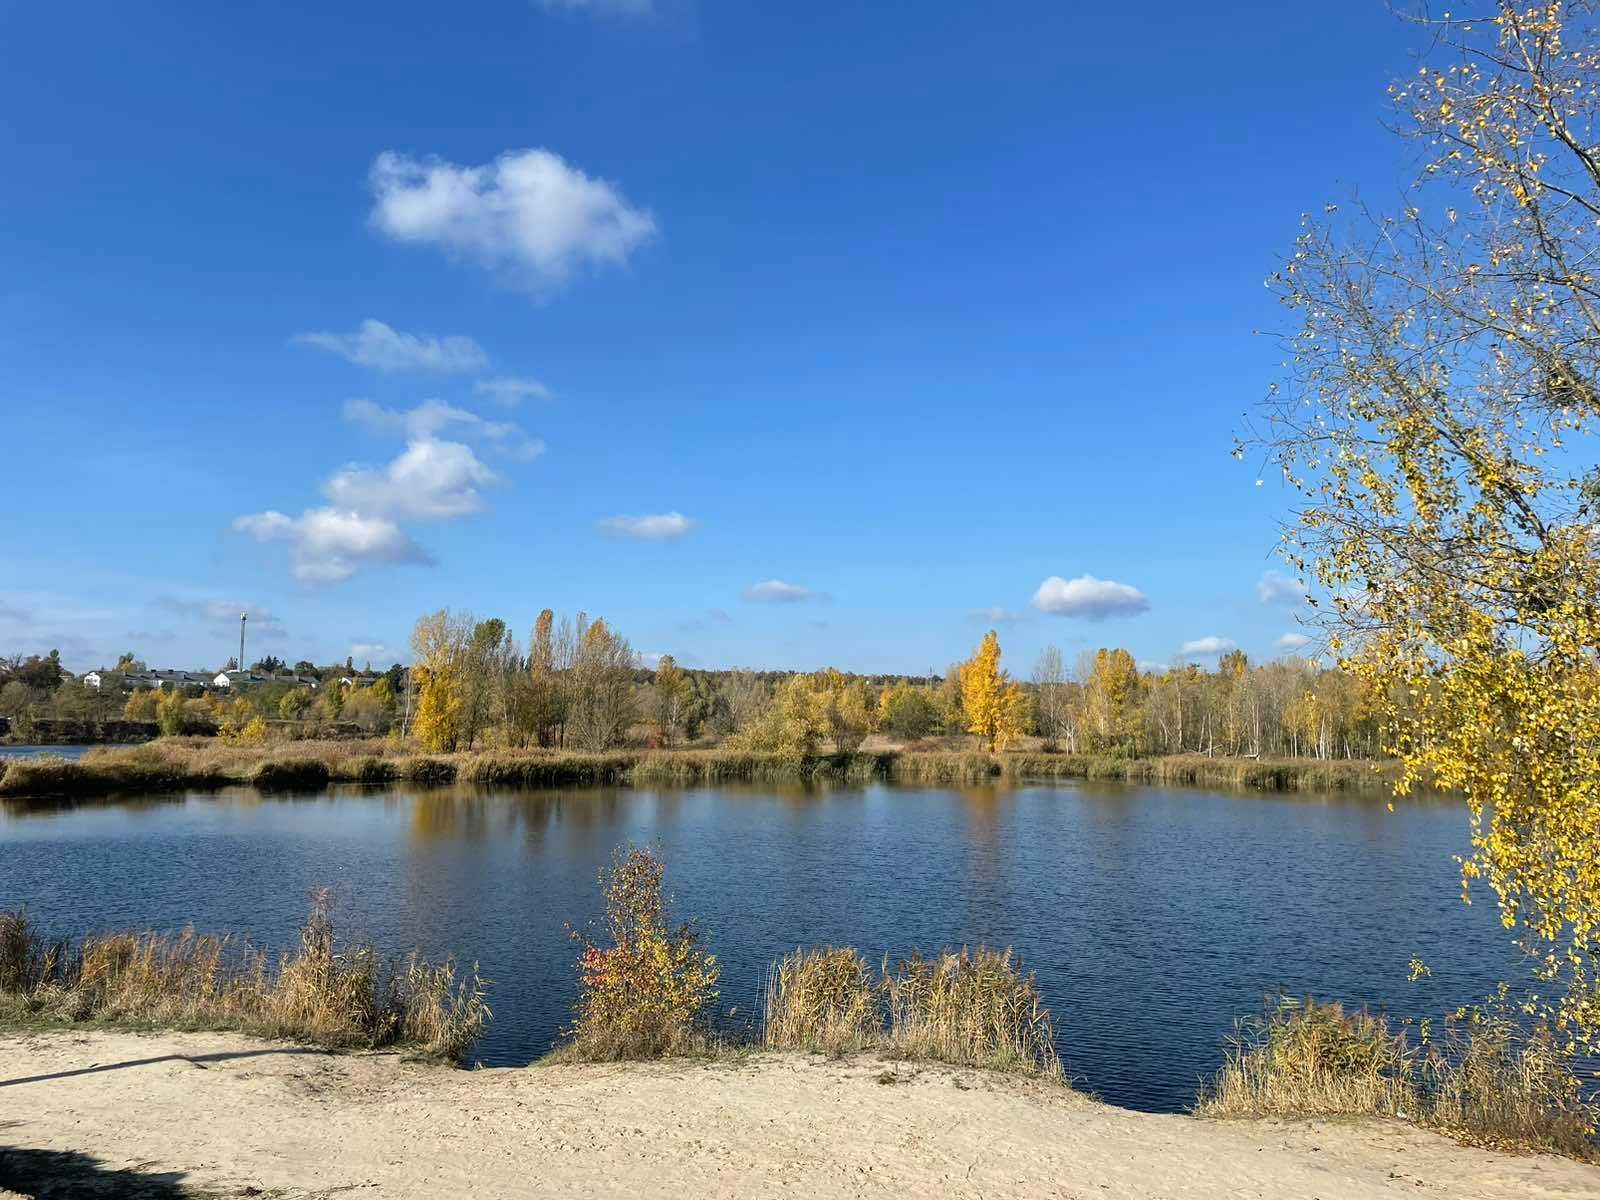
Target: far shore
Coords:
[[170, 1115], [177, 764]]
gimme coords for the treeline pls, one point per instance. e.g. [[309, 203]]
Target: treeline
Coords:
[[578, 684]]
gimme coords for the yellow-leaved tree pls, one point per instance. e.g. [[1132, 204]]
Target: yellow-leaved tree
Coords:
[[1438, 423], [995, 706], [439, 643]]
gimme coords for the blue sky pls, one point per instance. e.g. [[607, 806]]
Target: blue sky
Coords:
[[886, 315]]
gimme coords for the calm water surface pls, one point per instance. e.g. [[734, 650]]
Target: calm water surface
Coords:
[[1152, 916]]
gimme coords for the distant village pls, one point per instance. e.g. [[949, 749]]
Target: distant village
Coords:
[[231, 679]]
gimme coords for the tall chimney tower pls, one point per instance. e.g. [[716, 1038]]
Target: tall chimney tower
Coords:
[[243, 617]]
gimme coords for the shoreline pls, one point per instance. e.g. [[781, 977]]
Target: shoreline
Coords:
[[169, 1115], [182, 764]]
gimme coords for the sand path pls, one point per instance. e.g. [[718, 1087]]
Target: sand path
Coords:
[[170, 1115]]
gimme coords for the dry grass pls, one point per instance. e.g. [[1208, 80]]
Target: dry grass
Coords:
[[174, 764], [1493, 1081], [319, 994], [976, 1009], [825, 999], [1487, 1079], [1314, 1059], [971, 1008]]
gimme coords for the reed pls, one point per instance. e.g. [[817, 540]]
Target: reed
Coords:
[[970, 1008], [175, 764], [320, 993], [1487, 1078], [1305, 1058], [825, 1000], [975, 1009]]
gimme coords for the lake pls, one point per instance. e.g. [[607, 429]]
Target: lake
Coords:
[[71, 753], [1153, 916]]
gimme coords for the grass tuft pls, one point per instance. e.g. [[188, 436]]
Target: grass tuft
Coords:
[[970, 1008], [320, 994], [1488, 1079]]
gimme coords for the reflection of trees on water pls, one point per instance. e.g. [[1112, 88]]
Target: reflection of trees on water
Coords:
[[474, 814]]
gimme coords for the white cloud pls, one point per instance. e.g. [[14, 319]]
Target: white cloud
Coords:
[[1208, 645], [656, 527], [1149, 667], [528, 212], [327, 545], [1274, 587], [373, 651], [510, 391], [1090, 598], [433, 417], [378, 346], [1293, 641], [430, 480], [426, 420], [776, 591]]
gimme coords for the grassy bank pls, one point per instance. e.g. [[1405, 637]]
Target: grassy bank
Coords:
[[321, 993], [1486, 1076], [176, 764]]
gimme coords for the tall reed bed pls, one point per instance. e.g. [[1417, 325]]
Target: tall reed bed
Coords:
[[972, 1008], [1486, 1076], [173, 764], [320, 993]]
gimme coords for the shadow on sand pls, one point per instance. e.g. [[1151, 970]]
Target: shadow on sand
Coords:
[[67, 1175]]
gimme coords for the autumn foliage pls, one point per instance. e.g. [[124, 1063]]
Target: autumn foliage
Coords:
[[645, 987]]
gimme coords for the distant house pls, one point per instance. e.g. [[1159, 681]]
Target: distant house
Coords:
[[238, 680]]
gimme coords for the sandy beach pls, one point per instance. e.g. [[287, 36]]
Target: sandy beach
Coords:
[[169, 1115]]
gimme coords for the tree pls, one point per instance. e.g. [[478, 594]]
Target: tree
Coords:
[[293, 705], [439, 642], [995, 707], [485, 669], [170, 716], [130, 661], [602, 699], [1437, 423], [672, 694], [907, 711], [1051, 702], [1111, 690]]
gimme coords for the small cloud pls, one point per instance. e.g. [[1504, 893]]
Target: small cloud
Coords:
[[1089, 598], [657, 527], [1206, 646], [430, 480], [426, 420], [383, 348], [1274, 587], [1293, 641], [328, 546], [15, 615], [996, 615], [776, 591], [528, 214], [370, 650], [1148, 667], [511, 392]]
